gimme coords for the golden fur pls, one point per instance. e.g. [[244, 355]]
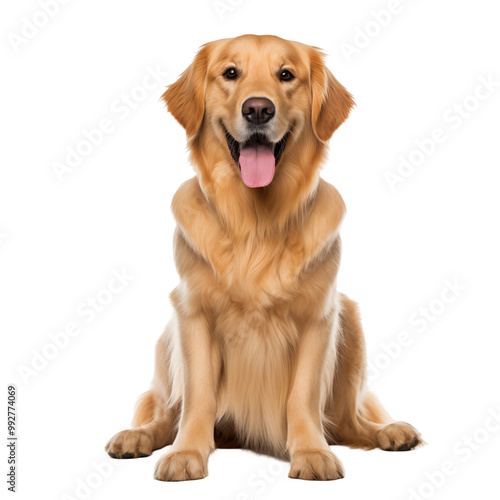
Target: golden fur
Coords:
[[262, 352]]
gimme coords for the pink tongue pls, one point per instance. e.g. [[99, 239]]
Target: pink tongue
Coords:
[[257, 165]]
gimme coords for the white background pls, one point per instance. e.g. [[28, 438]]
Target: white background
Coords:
[[61, 241]]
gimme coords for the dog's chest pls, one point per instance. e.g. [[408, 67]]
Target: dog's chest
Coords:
[[259, 272], [255, 264]]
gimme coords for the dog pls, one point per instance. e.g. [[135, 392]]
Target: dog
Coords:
[[262, 352]]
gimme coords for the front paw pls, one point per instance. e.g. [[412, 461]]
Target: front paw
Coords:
[[181, 466], [320, 465]]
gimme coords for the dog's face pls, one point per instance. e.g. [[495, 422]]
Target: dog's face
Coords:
[[257, 96]]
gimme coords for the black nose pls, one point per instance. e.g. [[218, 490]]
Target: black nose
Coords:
[[258, 110]]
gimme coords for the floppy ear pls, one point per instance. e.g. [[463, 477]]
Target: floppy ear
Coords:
[[331, 103], [185, 98]]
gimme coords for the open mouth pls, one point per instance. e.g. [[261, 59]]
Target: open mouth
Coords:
[[256, 158]]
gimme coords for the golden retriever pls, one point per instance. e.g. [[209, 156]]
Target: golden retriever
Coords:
[[263, 352]]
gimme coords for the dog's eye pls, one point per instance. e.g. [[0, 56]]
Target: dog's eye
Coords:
[[230, 74], [286, 76]]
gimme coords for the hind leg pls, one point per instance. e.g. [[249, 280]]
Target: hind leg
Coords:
[[156, 418], [353, 416], [156, 431], [371, 427]]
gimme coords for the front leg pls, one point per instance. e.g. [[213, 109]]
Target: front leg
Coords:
[[195, 438], [310, 456]]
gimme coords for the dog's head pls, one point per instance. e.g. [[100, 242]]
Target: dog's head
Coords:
[[258, 96]]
